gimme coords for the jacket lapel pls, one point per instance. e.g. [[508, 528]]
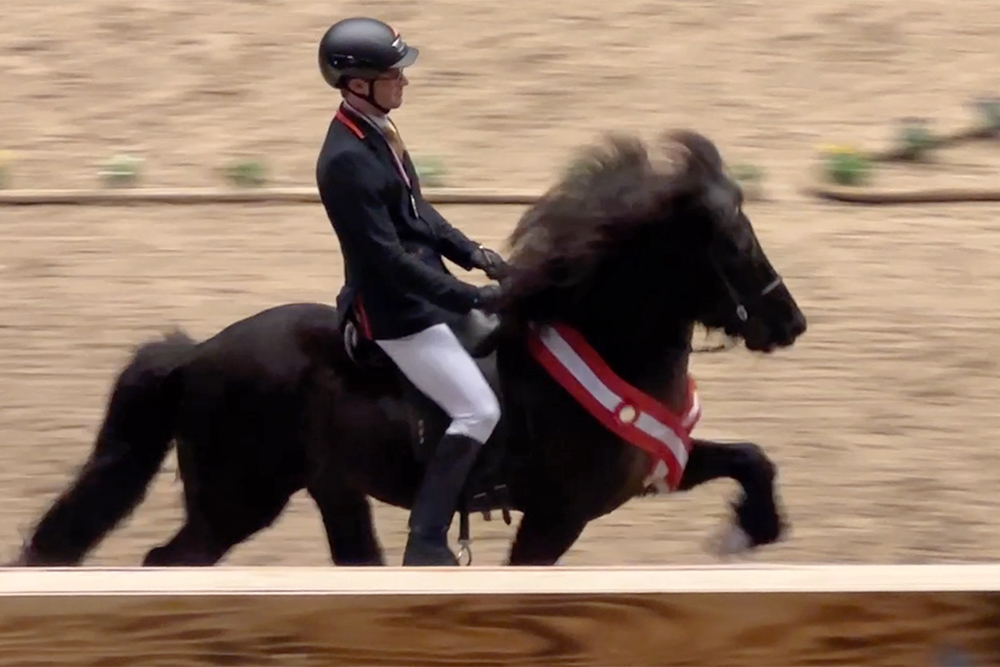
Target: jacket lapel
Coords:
[[372, 138]]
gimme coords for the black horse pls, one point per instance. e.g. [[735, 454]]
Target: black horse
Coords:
[[612, 269]]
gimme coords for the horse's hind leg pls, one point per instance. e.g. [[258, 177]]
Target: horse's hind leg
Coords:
[[347, 518], [224, 506], [206, 542], [758, 520], [211, 532], [191, 546]]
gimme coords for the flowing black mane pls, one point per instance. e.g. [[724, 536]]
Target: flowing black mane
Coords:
[[612, 191]]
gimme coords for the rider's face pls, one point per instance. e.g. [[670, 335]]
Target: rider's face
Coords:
[[388, 89]]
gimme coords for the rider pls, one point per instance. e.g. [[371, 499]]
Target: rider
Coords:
[[392, 242]]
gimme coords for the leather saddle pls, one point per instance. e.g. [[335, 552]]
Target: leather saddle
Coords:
[[477, 331]]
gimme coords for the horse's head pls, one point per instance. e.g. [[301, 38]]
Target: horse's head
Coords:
[[741, 293], [626, 242]]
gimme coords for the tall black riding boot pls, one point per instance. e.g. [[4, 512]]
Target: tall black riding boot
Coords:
[[436, 501]]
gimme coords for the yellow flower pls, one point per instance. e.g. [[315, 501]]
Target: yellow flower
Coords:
[[837, 149]]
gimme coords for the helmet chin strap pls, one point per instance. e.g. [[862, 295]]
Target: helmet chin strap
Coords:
[[370, 96]]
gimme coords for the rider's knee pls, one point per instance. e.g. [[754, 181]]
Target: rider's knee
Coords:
[[491, 415], [481, 423]]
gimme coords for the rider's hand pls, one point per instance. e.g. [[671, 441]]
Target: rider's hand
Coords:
[[489, 261], [488, 295]]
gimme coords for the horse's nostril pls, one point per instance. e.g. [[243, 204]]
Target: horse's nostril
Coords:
[[799, 324]]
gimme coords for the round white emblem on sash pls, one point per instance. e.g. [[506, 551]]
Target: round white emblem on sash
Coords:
[[627, 414]]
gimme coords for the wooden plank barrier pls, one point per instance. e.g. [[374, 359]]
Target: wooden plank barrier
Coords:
[[309, 195], [189, 196], [873, 197], [767, 616]]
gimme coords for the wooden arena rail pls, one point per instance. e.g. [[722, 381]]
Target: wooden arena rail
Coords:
[[297, 195], [874, 197], [741, 615], [305, 195]]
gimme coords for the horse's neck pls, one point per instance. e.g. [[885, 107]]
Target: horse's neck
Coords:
[[651, 358], [628, 311]]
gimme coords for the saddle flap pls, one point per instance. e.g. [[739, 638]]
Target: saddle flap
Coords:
[[476, 331]]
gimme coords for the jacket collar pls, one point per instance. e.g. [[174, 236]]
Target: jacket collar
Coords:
[[353, 120], [364, 129], [377, 122]]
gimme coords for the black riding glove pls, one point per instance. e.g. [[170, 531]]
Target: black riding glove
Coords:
[[489, 261], [488, 295]]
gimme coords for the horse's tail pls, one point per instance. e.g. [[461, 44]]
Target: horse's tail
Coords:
[[133, 442]]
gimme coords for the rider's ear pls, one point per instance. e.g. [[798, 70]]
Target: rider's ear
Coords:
[[358, 87]]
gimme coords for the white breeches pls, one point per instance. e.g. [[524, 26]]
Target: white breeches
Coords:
[[437, 364]]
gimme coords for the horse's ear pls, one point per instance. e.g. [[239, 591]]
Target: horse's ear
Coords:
[[675, 158], [693, 155], [689, 161], [680, 162]]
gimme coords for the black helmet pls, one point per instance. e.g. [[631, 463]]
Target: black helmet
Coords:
[[361, 48]]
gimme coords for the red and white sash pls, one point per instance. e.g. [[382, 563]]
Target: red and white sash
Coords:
[[631, 414]]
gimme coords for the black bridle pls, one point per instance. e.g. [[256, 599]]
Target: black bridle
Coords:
[[736, 302]]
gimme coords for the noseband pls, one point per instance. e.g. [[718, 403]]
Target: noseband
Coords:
[[741, 311], [737, 304]]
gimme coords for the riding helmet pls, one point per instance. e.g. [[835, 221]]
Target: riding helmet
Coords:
[[361, 48]]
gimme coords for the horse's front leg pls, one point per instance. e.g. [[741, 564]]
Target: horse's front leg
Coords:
[[757, 518]]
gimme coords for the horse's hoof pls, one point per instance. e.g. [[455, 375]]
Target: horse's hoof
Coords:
[[22, 559], [729, 542]]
